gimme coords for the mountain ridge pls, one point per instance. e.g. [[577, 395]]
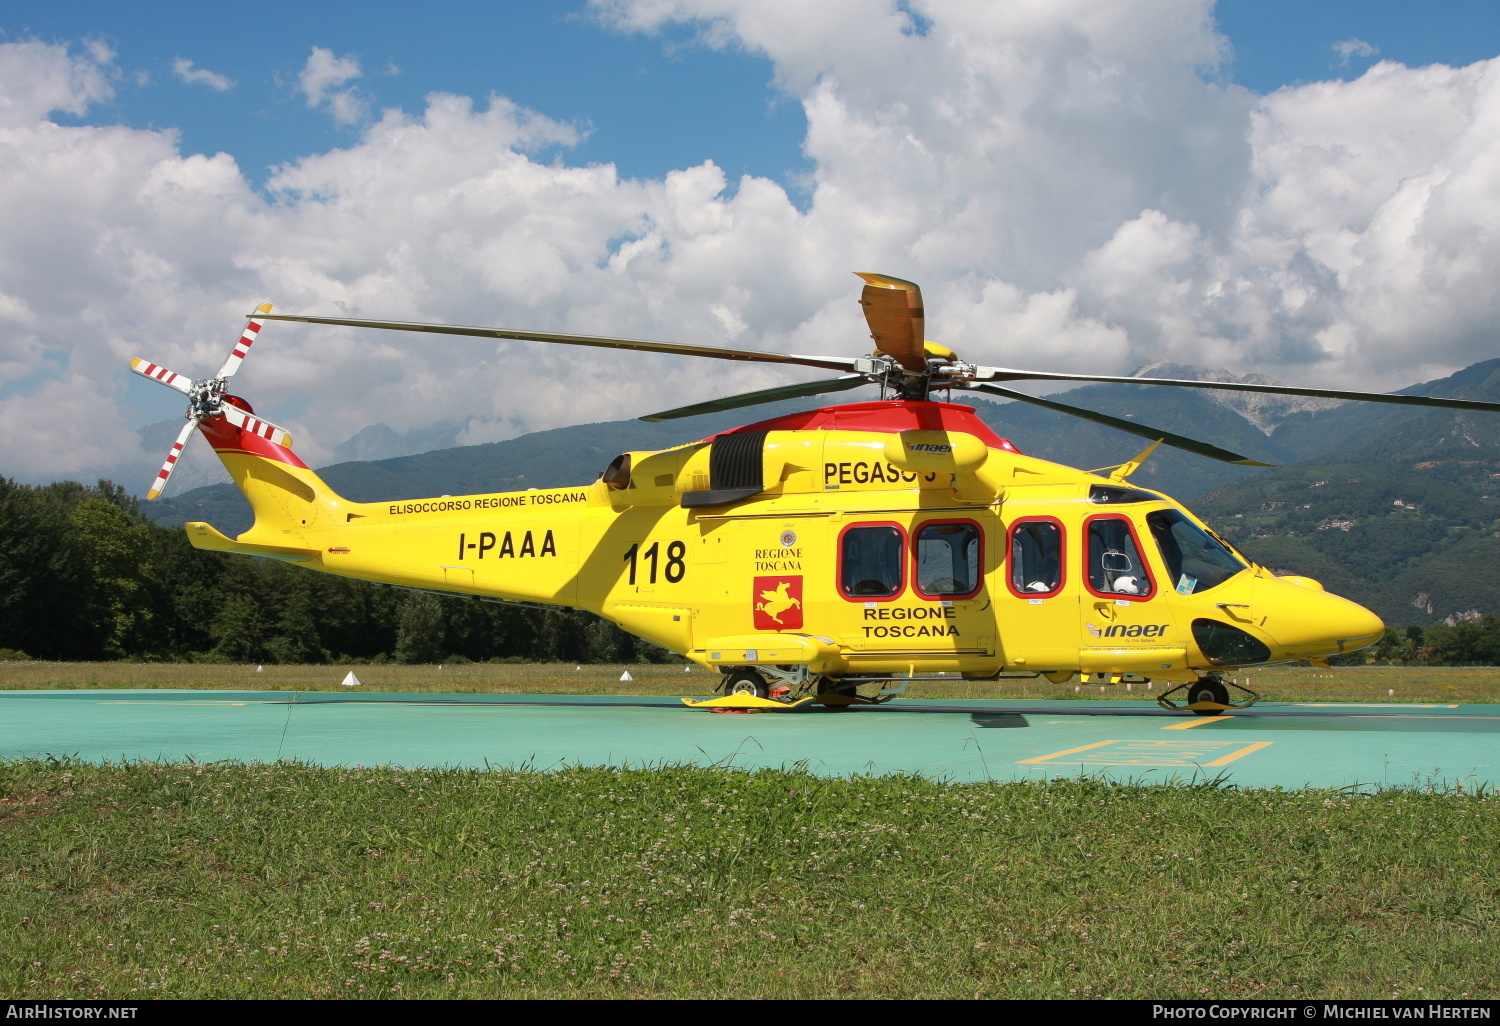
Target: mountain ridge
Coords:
[[1396, 507]]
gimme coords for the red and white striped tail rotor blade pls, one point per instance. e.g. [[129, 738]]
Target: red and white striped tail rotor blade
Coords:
[[170, 378], [255, 426], [160, 484], [237, 356]]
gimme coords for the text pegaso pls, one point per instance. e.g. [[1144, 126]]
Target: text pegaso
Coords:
[[869, 473], [487, 502]]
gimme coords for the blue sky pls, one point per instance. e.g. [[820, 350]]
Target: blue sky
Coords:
[[649, 104], [1284, 42]]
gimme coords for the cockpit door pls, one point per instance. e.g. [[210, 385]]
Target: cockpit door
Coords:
[[1127, 622], [1038, 601]]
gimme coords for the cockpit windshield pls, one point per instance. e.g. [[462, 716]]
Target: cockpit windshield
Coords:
[[1195, 559]]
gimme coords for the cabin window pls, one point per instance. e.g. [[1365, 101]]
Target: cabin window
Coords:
[[1036, 566], [948, 559], [1113, 495], [1196, 560], [1116, 568], [870, 561]]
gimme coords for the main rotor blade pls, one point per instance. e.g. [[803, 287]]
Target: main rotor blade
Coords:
[[673, 348], [1192, 445], [893, 310], [765, 395], [1007, 374], [147, 369], [183, 436], [237, 354]]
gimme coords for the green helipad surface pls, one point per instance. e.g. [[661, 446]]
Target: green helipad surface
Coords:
[[1269, 745]]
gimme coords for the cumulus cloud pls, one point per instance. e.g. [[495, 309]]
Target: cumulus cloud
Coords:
[[1347, 48], [184, 69], [38, 78], [322, 83], [1070, 182]]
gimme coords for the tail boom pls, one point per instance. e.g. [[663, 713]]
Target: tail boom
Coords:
[[522, 546]]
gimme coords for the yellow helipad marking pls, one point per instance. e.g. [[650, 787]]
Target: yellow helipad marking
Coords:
[[1455, 719], [1196, 722], [1225, 760], [189, 703], [1154, 753], [1070, 751], [1382, 705]]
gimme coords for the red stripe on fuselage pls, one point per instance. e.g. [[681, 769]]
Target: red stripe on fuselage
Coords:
[[893, 415], [225, 438]]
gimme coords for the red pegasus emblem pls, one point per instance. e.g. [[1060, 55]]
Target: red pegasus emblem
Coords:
[[778, 603]]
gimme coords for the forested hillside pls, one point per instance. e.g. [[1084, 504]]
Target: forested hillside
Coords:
[[83, 575], [1395, 507], [1403, 517]]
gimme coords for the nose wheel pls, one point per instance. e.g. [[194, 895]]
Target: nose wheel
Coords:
[[1208, 696]]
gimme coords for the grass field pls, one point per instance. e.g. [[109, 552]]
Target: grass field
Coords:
[[227, 880], [290, 881], [1281, 684]]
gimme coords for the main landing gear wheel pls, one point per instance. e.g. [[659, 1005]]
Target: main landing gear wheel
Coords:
[[833, 698], [1208, 691], [746, 682]]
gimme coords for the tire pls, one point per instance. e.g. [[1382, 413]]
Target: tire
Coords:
[[746, 682], [833, 698], [1208, 691]]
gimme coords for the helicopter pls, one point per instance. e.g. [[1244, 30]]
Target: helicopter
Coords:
[[829, 557]]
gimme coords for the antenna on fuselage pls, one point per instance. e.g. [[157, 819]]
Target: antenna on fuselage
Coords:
[[1119, 472]]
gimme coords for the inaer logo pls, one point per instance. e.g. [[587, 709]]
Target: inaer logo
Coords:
[[1135, 630], [941, 450], [777, 602]]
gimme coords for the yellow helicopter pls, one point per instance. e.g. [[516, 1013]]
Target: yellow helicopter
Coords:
[[831, 556]]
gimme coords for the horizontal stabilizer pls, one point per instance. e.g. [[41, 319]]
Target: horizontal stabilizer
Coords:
[[205, 536]]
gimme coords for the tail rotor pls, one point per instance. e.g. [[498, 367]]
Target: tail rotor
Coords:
[[207, 397]]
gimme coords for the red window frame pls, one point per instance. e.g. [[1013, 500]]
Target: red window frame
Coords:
[[839, 580], [916, 585], [1139, 549], [1062, 556]]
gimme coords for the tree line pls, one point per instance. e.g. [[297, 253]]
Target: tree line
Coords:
[[1474, 642], [85, 575]]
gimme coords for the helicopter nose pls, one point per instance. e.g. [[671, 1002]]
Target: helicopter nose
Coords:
[[1308, 621]]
